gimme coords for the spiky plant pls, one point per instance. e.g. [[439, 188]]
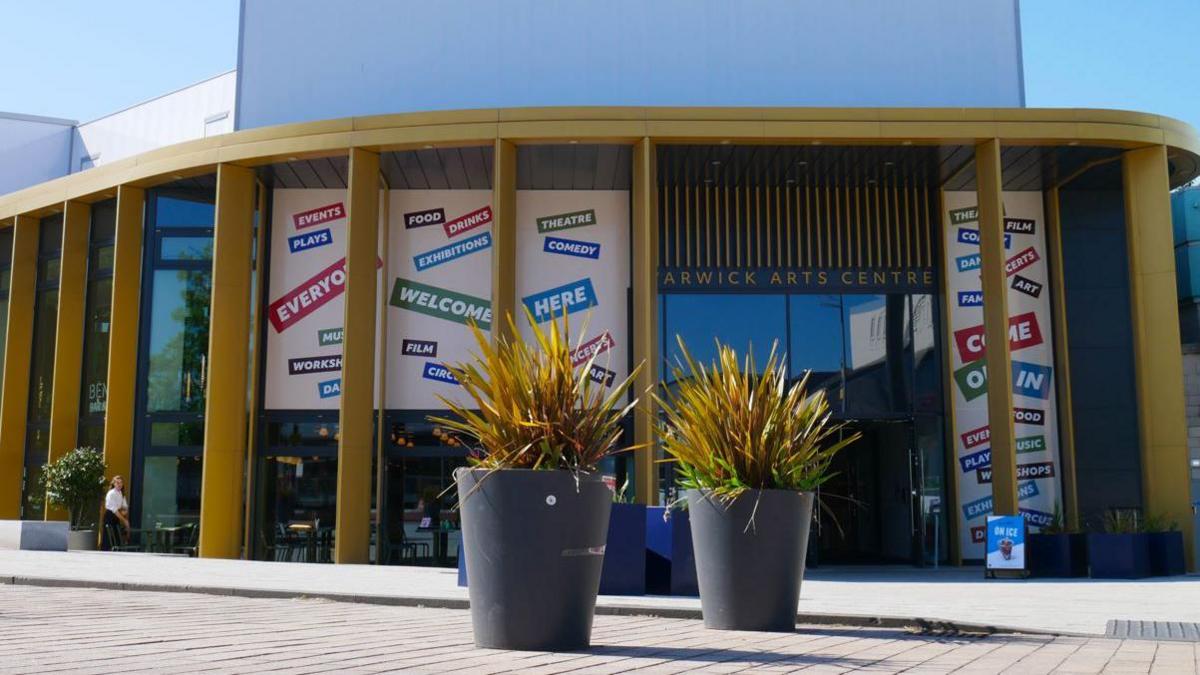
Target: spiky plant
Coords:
[[530, 408], [730, 429]]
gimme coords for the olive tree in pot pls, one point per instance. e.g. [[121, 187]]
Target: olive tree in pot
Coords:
[[533, 506], [750, 450], [75, 482]]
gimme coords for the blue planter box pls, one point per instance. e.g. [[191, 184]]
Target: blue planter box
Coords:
[[1057, 555], [1166, 554], [624, 570], [670, 561], [1118, 556]]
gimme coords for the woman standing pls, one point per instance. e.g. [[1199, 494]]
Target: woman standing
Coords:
[[116, 515]]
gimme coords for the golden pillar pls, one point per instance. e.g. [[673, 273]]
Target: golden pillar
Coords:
[[123, 332], [645, 316], [1157, 352], [998, 358], [504, 238], [356, 443], [18, 344], [1062, 360], [68, 336], [228, 365]]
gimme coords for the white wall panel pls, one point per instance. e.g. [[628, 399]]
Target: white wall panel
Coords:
[[32, 150], [304, 60]]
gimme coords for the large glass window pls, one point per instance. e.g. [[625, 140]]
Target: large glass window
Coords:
[[170, 492], [97, 318], [175, 377], [41, 371], [750, 323]]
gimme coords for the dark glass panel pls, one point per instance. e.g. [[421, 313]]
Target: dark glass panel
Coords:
[[299, 508], [100, 261], [50, 235], [170, 491], [927, 360], [42, 363], [176, 434], [816, 343], [37, 445], [878, 355], [301, 434], [104, 221], [178, 341], [176, 212], [95, 348]]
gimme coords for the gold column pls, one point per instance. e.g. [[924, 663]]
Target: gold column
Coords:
[[1062, 360], [645, 315], [123, 332], [259, 285], [950, 444], [1158, 361], [68, 337], [356, 443], [995, 328], [18, 343], [228, 365], [504, 238]]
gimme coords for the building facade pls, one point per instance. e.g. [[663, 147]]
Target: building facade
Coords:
[[253, 326]]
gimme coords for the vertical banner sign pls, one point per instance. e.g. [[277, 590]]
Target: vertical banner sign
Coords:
[[438, 282], [305, 305], [573, 257], [1031, 341]]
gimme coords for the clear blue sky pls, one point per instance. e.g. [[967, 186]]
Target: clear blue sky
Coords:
[[105, 55]]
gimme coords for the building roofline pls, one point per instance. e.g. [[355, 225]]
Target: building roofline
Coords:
[[22, 117], [155, 98]]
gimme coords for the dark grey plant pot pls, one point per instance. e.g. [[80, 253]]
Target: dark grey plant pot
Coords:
[[534, 542], [750, 573]]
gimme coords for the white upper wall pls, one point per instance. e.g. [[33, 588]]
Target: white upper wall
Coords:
[[303, 60], [32, 150], [202, 109]]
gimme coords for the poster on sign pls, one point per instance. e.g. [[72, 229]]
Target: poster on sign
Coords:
[[439, 280], [1005, 543], [306, 307], [573, 257], [1031, 341]]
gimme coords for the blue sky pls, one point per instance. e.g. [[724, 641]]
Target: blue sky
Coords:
[[1134, 54]]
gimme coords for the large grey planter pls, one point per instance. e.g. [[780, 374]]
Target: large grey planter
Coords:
[[750, 571], [534, 542]]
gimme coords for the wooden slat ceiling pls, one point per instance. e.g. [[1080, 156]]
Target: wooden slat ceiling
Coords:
[[574, 167]]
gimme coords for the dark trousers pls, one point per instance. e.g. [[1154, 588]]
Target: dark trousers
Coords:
[[112, 530]]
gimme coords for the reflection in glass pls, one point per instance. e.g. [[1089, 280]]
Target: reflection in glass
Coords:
[[95, 347], [173, 212], [927, 361], [299, 508], [178, 341], [170, 491], [186, 248], [422, 525], [176, 434], [302, 434], [933, 512], [45, 316], [37, 445], [749, 323], [816, 343], [877, 356]]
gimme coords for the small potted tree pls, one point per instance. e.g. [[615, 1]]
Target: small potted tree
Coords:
[[750, 450], [534, 507], [75, 482]]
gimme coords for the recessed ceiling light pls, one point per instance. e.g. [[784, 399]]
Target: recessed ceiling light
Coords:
[[725, 142], [428, 147], [716, 162], [573, 142], [791, 181], [870, 181], [1073, 143], [291, 159], [816, 142], [801, 163], [177, 176], [905, 142]]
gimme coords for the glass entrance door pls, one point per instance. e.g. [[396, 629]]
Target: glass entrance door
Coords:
[[866, 513]]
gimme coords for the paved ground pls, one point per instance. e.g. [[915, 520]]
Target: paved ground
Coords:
[[77, 630], [961, 595]]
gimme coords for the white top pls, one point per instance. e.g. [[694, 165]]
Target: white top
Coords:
[[115, 501]]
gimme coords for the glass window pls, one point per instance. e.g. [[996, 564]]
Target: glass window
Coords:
[[176, 434], [927, 360], [178, 212], [816, 343], [299, 511], [747, 322], [50, 235], [186, 248], [37, 445], [100, 261], [95, 347], [170, 491], [876, 329], [302, 434], [178, 341], [41, 370], [104, 220]]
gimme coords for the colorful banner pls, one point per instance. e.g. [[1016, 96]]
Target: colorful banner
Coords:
[[573, 257], [1031, 340]]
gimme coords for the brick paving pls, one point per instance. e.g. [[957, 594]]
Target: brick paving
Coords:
[[80, 630]]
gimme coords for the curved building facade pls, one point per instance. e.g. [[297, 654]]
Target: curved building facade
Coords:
[[254, 324]]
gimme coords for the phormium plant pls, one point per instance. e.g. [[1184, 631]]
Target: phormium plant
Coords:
[[730, 429], [531, 407]]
